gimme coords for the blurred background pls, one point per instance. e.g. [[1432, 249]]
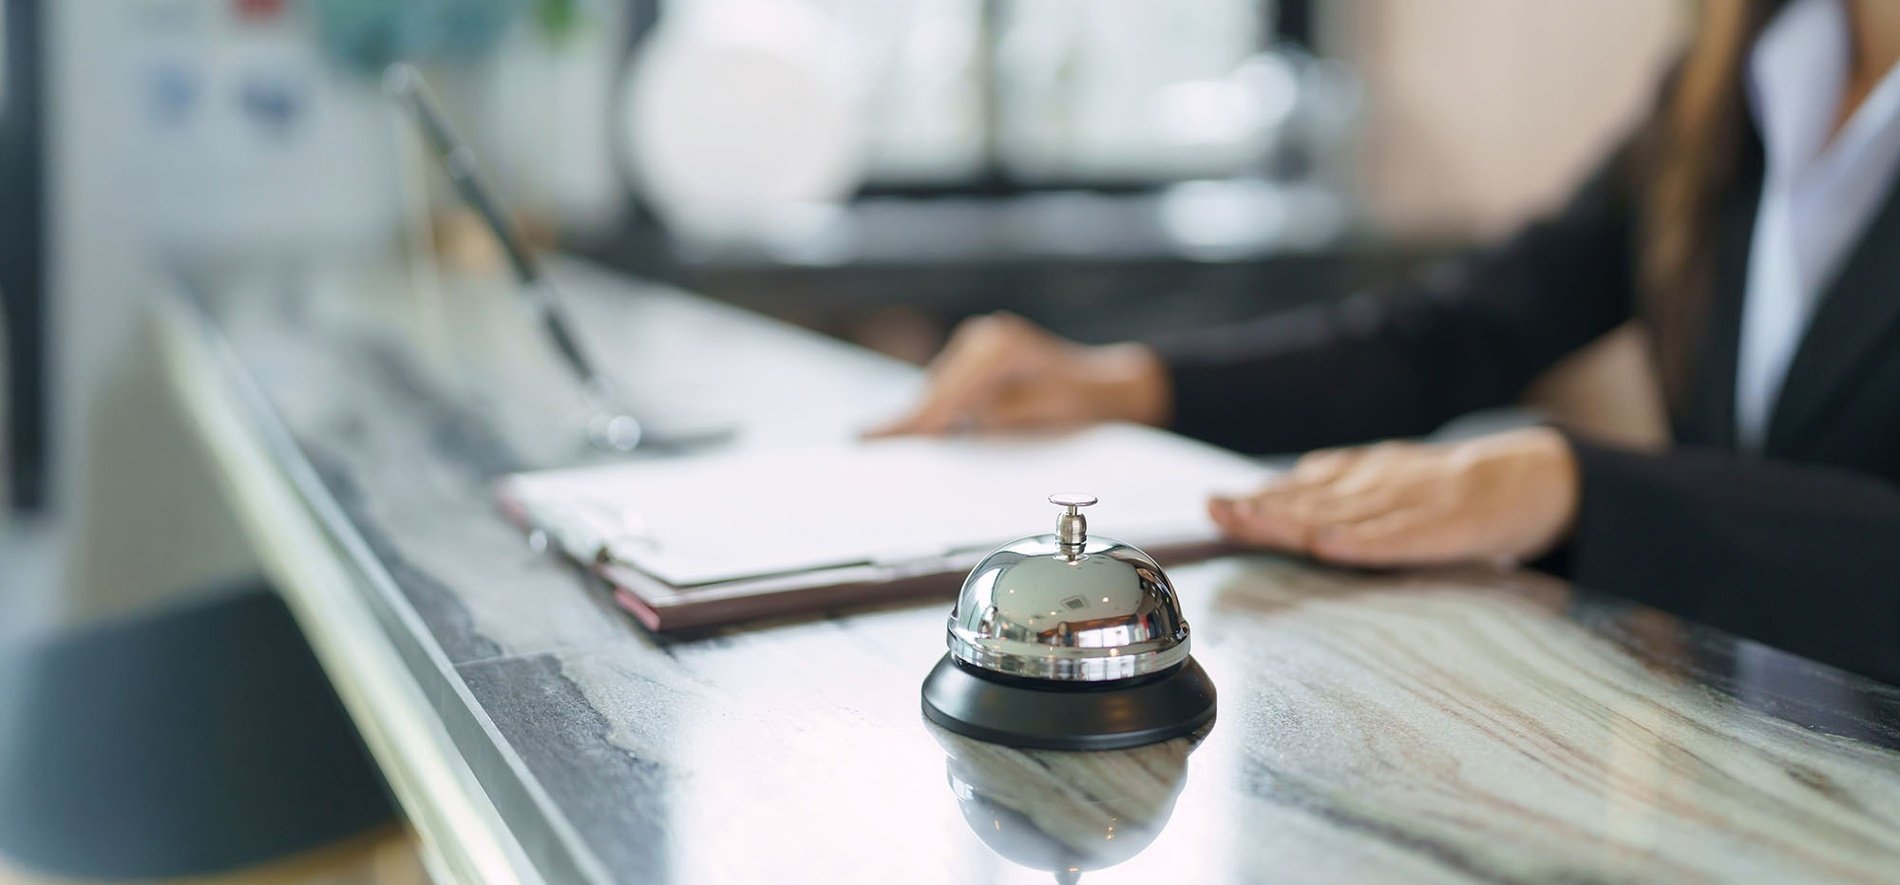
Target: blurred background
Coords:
[[876, 170]]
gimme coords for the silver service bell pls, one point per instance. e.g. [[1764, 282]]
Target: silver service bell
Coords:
[[1066, 641]]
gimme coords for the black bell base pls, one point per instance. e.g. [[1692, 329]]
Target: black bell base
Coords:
[[1043, 715]]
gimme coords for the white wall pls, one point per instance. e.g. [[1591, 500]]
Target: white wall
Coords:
[[1480, 111], [137, 519]]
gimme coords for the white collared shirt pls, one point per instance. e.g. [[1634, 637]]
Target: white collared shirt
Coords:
[[1817, 194]]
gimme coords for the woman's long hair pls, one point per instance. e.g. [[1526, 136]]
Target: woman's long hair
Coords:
[[1693, 151]]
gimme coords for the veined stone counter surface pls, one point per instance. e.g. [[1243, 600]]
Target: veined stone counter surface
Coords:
[[1427, 727]]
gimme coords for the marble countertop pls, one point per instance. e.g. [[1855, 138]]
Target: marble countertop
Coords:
[[1425, 727]]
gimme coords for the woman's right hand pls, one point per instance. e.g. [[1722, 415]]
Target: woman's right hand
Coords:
[[1002, 372]]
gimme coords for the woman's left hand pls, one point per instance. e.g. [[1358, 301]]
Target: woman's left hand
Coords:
[[1505, 497]]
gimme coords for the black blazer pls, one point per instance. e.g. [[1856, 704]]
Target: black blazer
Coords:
[[1798, 546]]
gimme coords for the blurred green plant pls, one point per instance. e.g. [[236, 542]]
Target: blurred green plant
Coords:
[[558, 18], [369, 34]]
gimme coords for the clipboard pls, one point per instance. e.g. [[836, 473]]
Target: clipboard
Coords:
[[731, 535]]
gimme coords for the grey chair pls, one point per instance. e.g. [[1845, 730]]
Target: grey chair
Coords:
[[197, 740]]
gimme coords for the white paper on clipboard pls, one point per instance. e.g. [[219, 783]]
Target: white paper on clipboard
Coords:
[[741, 514]]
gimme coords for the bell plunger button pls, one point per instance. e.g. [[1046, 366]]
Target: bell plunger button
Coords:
[[1072, 528]]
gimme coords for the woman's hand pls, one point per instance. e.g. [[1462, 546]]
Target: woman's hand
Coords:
[[1001, 372], [1505, 497]]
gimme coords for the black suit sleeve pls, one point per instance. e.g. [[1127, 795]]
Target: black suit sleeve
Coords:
[[1468, 335], [1803, 557]]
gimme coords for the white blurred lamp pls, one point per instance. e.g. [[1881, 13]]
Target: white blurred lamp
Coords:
[[744, 119]]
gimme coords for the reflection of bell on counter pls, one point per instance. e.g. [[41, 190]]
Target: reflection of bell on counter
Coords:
[[1068, 642], [1067, 813]]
